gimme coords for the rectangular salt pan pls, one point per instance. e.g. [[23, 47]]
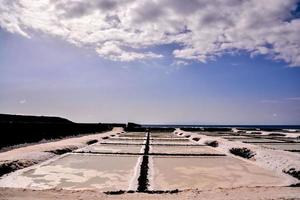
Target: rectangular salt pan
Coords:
[[74, 171], [183, 149], [209, 172], [174, 142], [112, 149]]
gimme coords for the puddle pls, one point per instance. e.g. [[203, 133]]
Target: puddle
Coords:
[[207, 172]]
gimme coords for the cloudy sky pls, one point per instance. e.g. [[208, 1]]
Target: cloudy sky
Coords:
[[152, 61]]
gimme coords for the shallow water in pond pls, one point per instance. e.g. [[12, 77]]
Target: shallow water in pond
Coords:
[[81, 171], [207, 172]]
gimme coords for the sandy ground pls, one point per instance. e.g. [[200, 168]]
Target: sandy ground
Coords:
[[217, 194]]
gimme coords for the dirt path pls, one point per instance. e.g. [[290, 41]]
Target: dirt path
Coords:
[[218, 194]]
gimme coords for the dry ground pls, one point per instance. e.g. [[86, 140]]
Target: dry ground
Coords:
[[217, 194]]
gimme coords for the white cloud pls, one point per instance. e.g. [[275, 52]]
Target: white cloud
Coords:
[[180, 63], [124, 30], [23, 101], [283, 100], [113, 51], [293, 99], [269, 101]]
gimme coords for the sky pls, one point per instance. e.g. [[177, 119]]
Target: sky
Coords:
[[150, 61]]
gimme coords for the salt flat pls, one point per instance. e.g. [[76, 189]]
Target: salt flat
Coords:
[[123, 163]]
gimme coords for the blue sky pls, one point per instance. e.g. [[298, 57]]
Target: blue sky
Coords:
[[47, 76], [191, 78]]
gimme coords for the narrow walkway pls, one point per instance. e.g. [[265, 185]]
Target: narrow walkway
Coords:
[[143, 181]]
